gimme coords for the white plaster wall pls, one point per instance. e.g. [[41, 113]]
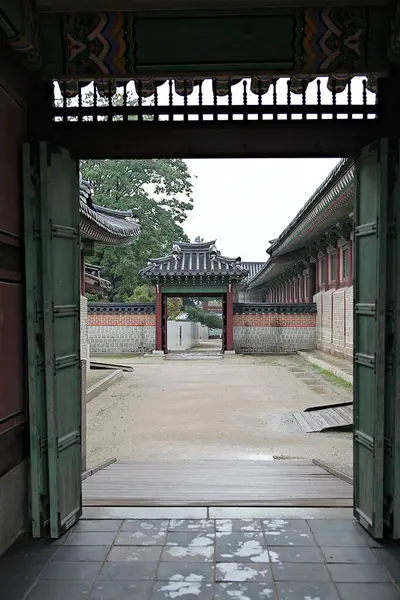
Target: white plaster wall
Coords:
[[182, 335], [335, 322]]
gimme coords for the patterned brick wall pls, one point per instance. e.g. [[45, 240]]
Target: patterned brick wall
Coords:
[[84, 328], [334, 324], [274, 332], [121, 329]]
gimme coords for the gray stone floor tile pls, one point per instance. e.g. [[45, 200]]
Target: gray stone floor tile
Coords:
[[281, 532], [241, 572], [134, 554], [295, 554], [229, 525], [198, 572], [248, 551], [164, 590], [84, 553], [76, 571], [121, 590], [243, 591], [13, 569], [140, 538], [306, 591], [390, 559], [300, 572], [206, 525], [188, 554], [340, 538], [97, 525], [274, 526], [358, 573], [104, 538], [34, 550], [128, 571], [15, 590], [224, 539], [348, 554], [57, 590], [186, 538], [318, 525], [146, 526], [367, 591]]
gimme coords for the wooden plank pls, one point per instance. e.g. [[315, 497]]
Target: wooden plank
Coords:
[[215, 483], [324, 419]]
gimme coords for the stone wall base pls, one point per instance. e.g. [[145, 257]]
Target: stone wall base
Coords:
[[273, 340]]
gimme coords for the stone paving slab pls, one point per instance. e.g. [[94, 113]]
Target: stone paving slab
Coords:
[[204, 559]]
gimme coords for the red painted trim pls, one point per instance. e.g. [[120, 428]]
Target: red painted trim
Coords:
[[350, 276], [229, 320], [338, 265], [159, 323]]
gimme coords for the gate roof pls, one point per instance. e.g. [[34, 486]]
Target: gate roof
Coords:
[[194, 260]]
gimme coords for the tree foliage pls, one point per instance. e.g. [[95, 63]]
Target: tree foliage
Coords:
[[208, 319], [159, 193], [142, 293], [174, 308]]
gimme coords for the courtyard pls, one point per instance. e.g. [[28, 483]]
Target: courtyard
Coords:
[[237, 408]]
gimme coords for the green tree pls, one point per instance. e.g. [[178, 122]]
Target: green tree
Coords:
[[159, 193], [174, 308], [209, 319], [143, 293]]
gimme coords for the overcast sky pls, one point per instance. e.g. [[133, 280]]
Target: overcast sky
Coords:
[[243, 203]]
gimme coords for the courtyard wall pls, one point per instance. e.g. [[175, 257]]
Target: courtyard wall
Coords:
[[334, 326], [274, 328], [117, 328]]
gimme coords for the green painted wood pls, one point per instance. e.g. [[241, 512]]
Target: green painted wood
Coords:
[[60, 248], [271, 41], [369, 334], [194, 289], [39, 479], [392, 413]]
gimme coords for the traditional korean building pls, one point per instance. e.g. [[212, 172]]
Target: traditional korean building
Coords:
[[107, 227], [312, 261]]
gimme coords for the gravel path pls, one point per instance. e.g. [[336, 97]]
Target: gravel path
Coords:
[[237, 408]]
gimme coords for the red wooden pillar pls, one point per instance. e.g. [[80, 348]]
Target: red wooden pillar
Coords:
[[312, 284], [350, 260], [159, 320], [229, 320]]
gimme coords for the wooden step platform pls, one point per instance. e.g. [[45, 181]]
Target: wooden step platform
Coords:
[[339, 416], [291, 483]]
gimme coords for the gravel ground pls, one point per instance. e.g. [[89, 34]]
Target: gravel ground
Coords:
[[237, 408]]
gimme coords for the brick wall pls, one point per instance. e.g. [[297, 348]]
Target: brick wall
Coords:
[[334, 323], [274, 328], [121, 328]]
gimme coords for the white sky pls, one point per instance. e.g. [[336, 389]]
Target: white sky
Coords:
[[243, 203]]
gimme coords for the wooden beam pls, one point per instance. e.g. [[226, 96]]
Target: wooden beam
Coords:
[[251, 139]]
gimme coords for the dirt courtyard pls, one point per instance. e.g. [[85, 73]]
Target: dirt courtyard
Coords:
[[236, 408]]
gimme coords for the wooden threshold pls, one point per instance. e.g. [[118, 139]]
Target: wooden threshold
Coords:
[[288, 483]]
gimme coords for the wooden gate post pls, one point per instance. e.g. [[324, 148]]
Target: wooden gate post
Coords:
[[159, 323], [229, 319]]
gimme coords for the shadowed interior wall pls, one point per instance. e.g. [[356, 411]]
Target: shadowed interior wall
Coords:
[[13, 398]]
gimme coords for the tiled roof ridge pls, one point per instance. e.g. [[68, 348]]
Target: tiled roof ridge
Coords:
[[334, 176]]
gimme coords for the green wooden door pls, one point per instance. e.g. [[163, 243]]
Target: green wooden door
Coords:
[[370, 253], [39, 477], [55, 305]]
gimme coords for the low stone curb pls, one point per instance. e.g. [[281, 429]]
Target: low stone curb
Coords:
[[326, 366], [103, 384]]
